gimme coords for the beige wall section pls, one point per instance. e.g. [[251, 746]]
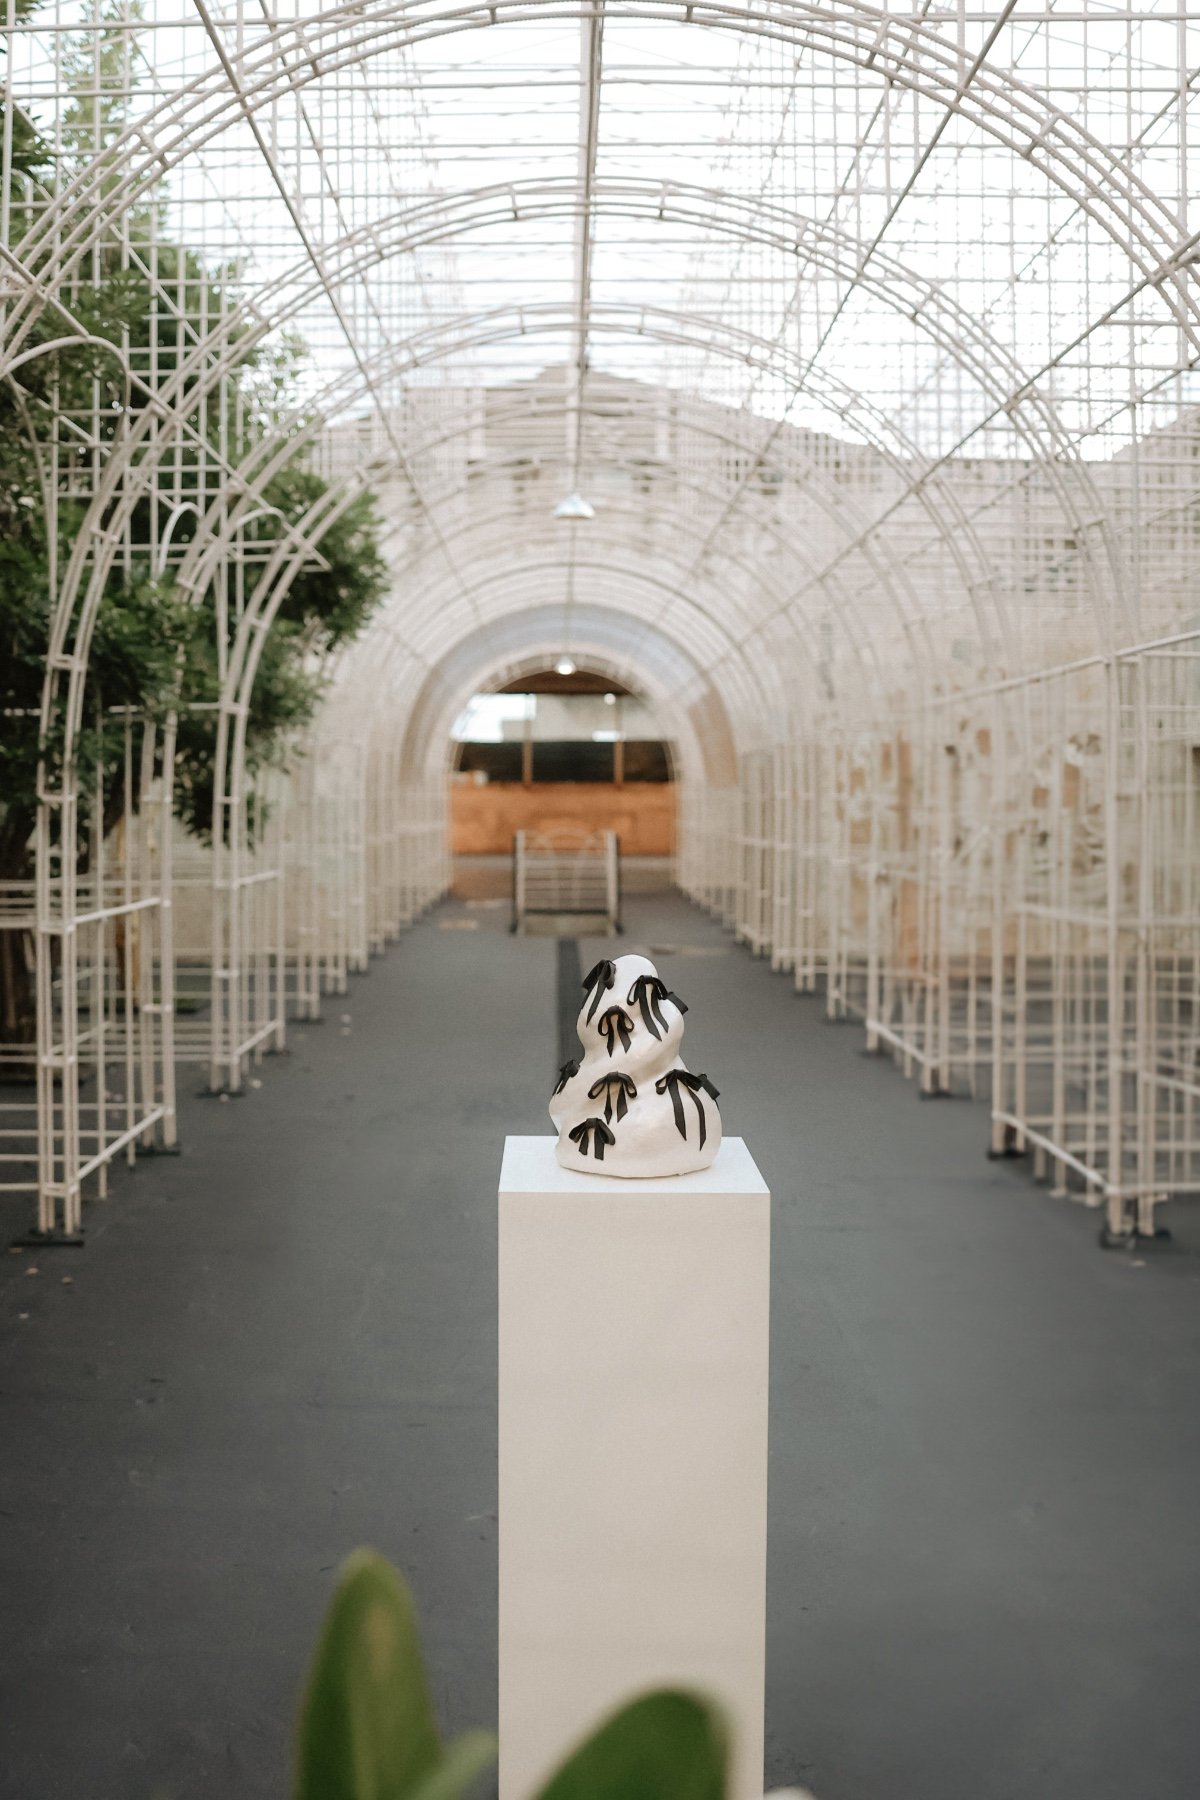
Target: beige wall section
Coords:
[[484, 819], [710, 722]]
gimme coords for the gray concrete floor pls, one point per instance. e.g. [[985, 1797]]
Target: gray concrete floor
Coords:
[[986, 1433]]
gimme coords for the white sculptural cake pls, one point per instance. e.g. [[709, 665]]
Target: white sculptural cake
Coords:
[[630, 1106]]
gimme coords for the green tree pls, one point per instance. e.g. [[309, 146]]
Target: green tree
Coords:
[[30, 153], [152, 651]]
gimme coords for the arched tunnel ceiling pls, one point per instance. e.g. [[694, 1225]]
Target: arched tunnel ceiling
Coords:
[[864, 331], [600, 639]]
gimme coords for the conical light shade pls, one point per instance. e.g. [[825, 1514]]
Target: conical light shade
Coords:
[[574, 507]]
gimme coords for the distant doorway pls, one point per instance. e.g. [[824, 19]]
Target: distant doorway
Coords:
[[554, 754]]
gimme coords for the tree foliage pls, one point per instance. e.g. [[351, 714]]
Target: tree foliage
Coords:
[[30, 153], [154, 651], [151, 651]]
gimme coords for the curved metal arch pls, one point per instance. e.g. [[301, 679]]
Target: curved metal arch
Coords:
[[749, 219], [525, 633], [342, 714], [396, 666], [898, 288], [108, 505], [481, 528], [509, 668], [747, 694], [635, 578], [493, 532], [230, 757], [424, 599], [286, 560], [255, 625], [809, 477], [461, 505], [389, 704], [954, 347], [952, 328], [999, 105], [744, 218], [517, 570], [439, 436], [206, 543], [927, 489], [284, 564], [443, 433], [1027, 410], [950, 346], [664, 325], [948, 341], [428, 745], [250, 492]]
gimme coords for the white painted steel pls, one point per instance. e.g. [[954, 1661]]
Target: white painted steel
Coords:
[[871, 338], [559, 873]]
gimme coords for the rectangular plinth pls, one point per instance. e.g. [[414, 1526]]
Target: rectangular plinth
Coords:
[[633, 1449]]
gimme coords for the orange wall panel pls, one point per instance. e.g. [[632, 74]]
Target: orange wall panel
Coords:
[[484, 820]]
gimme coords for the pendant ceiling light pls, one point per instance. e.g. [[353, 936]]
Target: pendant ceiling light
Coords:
[[574, 507]]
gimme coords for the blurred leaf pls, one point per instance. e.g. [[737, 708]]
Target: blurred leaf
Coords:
[[367, 1730], [664, 1746], [465, 1760]]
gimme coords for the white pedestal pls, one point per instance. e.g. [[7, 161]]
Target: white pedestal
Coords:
[[633, 1449]]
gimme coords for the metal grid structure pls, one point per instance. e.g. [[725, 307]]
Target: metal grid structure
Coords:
[[868, 335], [566, 872]]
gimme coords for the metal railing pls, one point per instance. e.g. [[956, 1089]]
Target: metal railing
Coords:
[[567, 873]]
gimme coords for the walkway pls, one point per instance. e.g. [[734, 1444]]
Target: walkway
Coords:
[[281, 1345]]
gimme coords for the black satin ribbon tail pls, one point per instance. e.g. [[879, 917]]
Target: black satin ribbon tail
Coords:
[[599, 1133], [601, 976], [567, 1073], [622, 1086], [615, 1024], [646, 993], [672, 1081]]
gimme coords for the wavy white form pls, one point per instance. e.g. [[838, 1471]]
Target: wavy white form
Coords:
[[655, 1133]]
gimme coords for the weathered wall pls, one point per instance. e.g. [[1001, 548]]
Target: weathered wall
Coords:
[[484, 819]]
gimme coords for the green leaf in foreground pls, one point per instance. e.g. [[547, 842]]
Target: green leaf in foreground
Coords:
[[465, 1760], [367, 1730], [664, 1746]]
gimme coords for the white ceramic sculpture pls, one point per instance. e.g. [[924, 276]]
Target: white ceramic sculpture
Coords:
[[630, 1106]]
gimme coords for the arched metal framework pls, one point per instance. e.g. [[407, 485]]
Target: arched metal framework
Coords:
[[870, 334]]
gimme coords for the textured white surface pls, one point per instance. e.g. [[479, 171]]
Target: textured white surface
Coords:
[[633, 1449], [657, 1134]]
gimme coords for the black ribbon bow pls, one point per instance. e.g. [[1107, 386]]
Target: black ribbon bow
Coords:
[[646, 992], [600, 1135], [613, 1024], [603, 976], [671, 1083], [608, 1085], [568, 1071]]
